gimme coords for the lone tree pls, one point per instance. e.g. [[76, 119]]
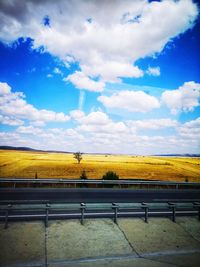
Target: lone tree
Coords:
[[78, 156], [110, 175]]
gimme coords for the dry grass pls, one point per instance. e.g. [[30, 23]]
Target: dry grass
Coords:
[[23, 164]]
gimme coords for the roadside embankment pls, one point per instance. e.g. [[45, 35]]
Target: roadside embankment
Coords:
[[100, 242]]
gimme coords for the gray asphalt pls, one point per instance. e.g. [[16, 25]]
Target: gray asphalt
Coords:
[[97, 195]]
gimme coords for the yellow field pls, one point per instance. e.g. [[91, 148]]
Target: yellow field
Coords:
[[59, 165]]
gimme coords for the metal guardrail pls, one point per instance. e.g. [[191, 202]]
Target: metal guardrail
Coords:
[[89, 210], [119, 182]]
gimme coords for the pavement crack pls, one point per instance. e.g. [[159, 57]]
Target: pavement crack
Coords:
[[133, 249], [193, 237]]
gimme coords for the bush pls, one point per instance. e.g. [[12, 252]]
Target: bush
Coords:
[[110, 175], [83, 176]]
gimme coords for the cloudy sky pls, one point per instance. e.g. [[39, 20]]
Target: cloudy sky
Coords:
[[114, 76]]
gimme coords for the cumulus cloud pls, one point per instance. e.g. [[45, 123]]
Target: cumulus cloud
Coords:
[[111, 71], [14, 109], [76, 114], [81, 81], [193, 123], [95, 118], [190, 130], [152, 124], [10, 121], [38, 123], [185, 98], [97, 122], [153, 71], [133, 101], [4, 89], [107, 135], [29, 130], [105, 46], [109, 138]]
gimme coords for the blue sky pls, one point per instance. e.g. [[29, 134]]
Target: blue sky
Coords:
[[99, 76]]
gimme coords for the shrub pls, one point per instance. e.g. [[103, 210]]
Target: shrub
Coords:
[[83, 175], [110, 175]]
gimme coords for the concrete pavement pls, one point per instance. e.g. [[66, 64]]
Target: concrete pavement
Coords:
[[100, 242]]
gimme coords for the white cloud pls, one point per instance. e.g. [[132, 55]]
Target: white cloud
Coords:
[[49, 75], [109, 136], [109, 128], [111, 70], [133, 101], [29, 130], [153, 71], [81, 81], [76, 114], [95, 118], [193, 123], [10, 121], [154, 124], [58, 71], [185, 98], [98, 122], [4, 89], [14, 107], [105, 46], [38, 123], [190, 130]]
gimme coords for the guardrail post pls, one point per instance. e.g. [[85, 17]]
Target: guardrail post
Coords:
[[6, 216], [197, 206], [172, 206], [146, 209], [115, 207], [47, 215], [83, 207]]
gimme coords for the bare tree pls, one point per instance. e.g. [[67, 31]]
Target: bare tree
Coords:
[[78, 156]]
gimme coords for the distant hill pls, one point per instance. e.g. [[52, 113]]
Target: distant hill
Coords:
[[57, 151], [18, 148], [178, 155], [29, 149]]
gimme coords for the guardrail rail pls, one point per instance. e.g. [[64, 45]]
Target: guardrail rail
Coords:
[[14, 211], [121, 183]]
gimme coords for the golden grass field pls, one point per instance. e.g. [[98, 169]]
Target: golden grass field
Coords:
[[23, 164]]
